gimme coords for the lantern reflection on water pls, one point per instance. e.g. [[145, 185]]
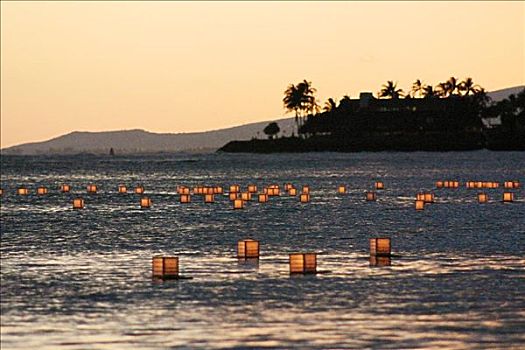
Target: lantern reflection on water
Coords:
[[78, 203], [22, 191], [41, 190], [378, 261], [370, 196], [209, 198], [238, 204], [145, 202], [263, 198], [508, 196], [303, 263], [92, 189], [248, 248], [165, 267], [380, 246], [482, 198]]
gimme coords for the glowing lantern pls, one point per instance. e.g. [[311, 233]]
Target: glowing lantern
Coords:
[[198, 190], [370, 196], [512, 184], [420, 197], [217, 190], [274, 192], [238, 204], [420, 205], [1, 191], [235, 188], [22, 191], [246, 196], [263, 198], [516, 184], [378, 261], [292, 191], [380, 185], [455, 184], [78, 203], [380, 246], [288, 186], [65, 188], [306, 189], [341, 189], [470, 184], [145, 202], [185, 198], [208, 198], [233, 196], [478, 184], [439, 184], [428, 198], [122, 189], [252, 189], [41, 190], [303, 263], [483, 198], [92, 189], [139, 190], [165, 267], [248, 248], [508, 196], [305, 198], [184, 190]]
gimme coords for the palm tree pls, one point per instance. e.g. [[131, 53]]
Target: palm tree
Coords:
[[329, 105], [443, 89], [390, 90], [417, 88], [292, 101], [453, 85], [345, 102], [301, 100], [468, 86], [428, 92]]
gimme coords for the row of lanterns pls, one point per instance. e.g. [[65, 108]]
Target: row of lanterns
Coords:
[[167, 267]]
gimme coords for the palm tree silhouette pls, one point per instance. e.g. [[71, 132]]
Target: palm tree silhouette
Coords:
[[453, 85], [468, 86], [390, 90], [301, 100], [329, 105], [417, 88], [428, 92]]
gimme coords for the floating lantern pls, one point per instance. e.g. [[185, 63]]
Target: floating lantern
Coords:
[[292, 191], [455, 184], [380, 185], [439, 184], [233, 196], [185, 198], [209, 198], [78, 203], [22, 191], [246, 196], [305, 198], [483, 198], [370, 196], [479, 184], [238, 204], [210, 190], [380, 246], [306, 189], [92, 189], [428, 198], [248, 248], [263, 198], [378, 261], [303, 263], [512, 184], [288, 186], [1, 191], [217, 190], [139, 190], [274, 192], [145, 202], [470, 184], [198, 190], [235, 188], [508, 196], [41, 190], [122, 189], [185, 190], [420, 205], [420, 197], [165, 267], [341, 189], [65, 188], [252, 189]]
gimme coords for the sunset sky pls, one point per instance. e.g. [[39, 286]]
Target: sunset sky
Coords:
[[195, 66]]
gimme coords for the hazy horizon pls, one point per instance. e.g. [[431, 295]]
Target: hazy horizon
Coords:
[[173, 67]]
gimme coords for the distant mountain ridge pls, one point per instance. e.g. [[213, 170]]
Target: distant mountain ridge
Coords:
[[141, 141]]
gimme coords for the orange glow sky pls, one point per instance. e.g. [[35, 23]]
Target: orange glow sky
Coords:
[[194, 66]]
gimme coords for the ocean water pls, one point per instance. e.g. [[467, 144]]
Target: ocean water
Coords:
[[81, 279]]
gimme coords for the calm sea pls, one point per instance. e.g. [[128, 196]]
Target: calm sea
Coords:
[[81, 279]]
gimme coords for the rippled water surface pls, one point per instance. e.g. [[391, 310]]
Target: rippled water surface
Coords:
[[81, 279]]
